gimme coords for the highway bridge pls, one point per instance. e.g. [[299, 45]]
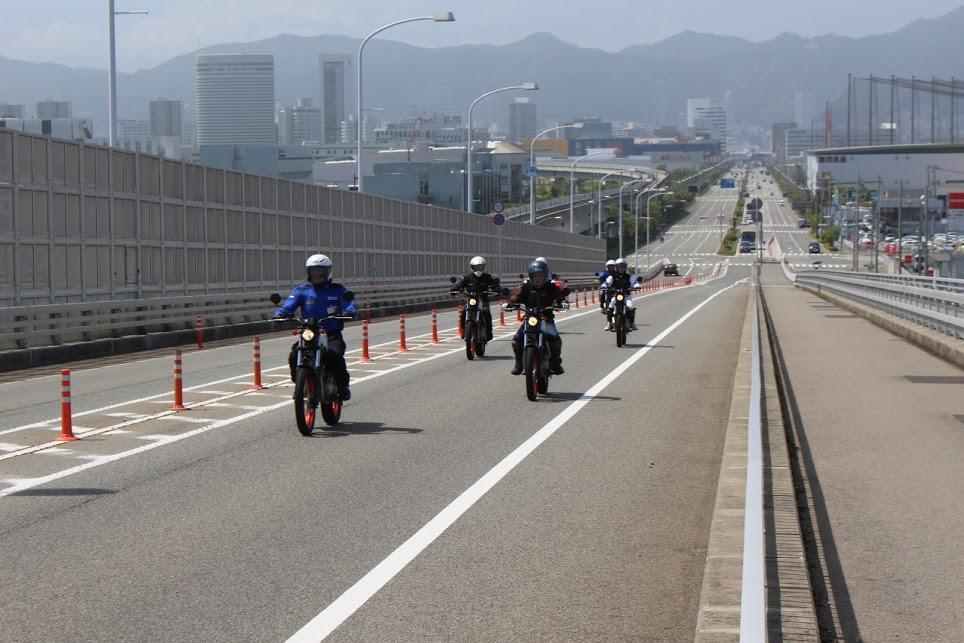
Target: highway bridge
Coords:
[[775, 454]]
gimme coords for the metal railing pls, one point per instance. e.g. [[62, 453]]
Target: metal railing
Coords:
[[936, 303]]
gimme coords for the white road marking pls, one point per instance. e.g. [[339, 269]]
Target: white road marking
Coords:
[[358, 594]]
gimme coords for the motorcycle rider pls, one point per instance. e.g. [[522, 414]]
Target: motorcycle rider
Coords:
[[321, 297], [621, 281], [484, 285], [539, 292], [604, 290]]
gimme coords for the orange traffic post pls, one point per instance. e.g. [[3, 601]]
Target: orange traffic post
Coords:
[[66, 416], [501, 317], [199, 331], [458, 309], [577, 298], [434, 326], [257, 386], [518, 314], [365, 357], [593, 295], [178, 384], [585, 298], [401, 334]]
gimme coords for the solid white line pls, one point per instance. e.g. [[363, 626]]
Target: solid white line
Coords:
[[358, 594]]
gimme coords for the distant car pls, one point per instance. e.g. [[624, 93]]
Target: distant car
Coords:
[[803, 223], [747, 246], [671, 269], [814, 248]]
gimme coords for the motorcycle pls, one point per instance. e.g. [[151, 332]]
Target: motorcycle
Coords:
[[315, 387], [535, 349], [620, 323], [475, 331]]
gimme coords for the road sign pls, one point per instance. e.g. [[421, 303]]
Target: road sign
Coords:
[[498, 218], [498, 206], [955, 201], [532, 172]]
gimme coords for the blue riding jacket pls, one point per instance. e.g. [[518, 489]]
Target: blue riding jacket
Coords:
[[319, 301]]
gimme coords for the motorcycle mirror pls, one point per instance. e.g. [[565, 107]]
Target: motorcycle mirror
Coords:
[[496, 280], [275, 298], [521, 276], [453, 279], [505, 292], [349, 296]]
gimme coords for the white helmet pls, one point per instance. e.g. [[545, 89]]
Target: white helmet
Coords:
[[477, 264], [611, 262], [620, 263], [319, 261]]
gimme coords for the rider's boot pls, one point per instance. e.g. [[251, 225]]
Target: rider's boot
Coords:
[[517, 369]]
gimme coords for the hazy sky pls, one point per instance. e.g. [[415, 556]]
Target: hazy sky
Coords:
[[73, 32]]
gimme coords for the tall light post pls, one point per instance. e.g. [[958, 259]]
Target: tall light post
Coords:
[[469, 201], [599, 215], [619, 217], [649, 259], [532, 164], [572, 185], [445, 16], [112, 70]]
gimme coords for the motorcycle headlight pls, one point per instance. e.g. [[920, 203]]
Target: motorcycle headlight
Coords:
[[473, 302], [619, 297], [307, 334], [533, 321]]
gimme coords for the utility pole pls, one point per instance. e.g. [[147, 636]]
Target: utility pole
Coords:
[[870, 110], [913, 106], [893, 123], [880, 191], [850, 83], [900, 237]]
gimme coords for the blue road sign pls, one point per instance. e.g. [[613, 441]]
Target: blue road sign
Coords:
[[532, 171], [498, 218]]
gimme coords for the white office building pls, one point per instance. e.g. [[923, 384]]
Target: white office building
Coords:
[[71, 129], [235, 99], [167, 118], [48, 109], [337, 72], [299, 124], [8, 110], [522, 120], [707, 115]]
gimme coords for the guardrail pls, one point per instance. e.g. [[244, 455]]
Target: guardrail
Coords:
[[523, 210], [936, 303], [43, 326]]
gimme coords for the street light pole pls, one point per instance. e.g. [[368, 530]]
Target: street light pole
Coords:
[[572, 186], [649, 259], [532, 164], [469, 201], [619, 217], [599, 209], [112, 70], [445, 16]]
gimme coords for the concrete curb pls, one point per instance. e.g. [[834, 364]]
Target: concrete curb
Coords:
[[944, 347], [719, 612]]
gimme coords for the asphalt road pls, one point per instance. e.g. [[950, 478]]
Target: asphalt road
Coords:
[[223, 523]]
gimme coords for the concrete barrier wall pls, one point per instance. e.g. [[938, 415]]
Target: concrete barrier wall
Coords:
[[83, 222]]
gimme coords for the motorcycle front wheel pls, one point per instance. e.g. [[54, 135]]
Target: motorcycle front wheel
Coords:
[[470, 337], [620, 323], [305, 403], [532, 369]]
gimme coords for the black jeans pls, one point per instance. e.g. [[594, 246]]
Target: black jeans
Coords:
[[334, 358], [554, 342]]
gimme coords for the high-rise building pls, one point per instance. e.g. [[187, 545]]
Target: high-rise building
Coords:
[[167, 118], [337, 93], [522, 120], [780, 140], [707, 115], [235, 99], [299, 124], [8, 110], [54, 109]]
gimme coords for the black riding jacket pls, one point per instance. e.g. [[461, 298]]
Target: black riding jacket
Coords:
[[544, 297], [485, 285]]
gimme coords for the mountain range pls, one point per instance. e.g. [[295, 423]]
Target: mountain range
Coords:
[[643, 82]]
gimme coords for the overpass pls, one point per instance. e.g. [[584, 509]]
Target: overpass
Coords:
[[757, 459]]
